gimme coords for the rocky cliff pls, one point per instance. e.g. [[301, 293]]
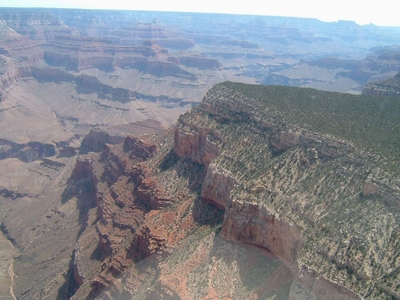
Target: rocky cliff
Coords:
[[305, 196], [238, 167]]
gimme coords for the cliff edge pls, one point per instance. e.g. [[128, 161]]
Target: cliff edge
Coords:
[[297, 174]]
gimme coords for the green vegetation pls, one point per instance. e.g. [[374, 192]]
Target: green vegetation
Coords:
[[370, 122]]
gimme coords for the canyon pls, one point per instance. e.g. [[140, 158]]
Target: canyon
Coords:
[[135, 166], [233, 195]]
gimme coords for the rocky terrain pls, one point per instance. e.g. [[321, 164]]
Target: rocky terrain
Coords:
[[321, 203], [247, 196], [254, 192]]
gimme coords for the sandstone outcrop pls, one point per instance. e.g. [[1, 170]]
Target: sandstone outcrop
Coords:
[[217, 186], [304, 196], [239, 170], [250, 223], [197, 145], [96, 139]]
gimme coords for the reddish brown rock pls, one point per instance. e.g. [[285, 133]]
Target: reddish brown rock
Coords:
[[124, 191], [197, 145], [254, 224], [97, 138], [145, 244], [216, 188]]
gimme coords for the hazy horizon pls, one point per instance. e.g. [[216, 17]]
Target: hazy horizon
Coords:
[[360, 12]]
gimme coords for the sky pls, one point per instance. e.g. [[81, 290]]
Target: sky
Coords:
[[383, 12]]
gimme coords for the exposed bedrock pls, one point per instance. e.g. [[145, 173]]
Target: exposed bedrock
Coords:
[[88, 84], [216, 187], [79, 53], [121, 190], [66, 61], [82, 184], [51, 74], [10, 76], [35, 24], [245, 222], [199, 62], [255, 224], [84, 84], [198, 145], [155, 67]]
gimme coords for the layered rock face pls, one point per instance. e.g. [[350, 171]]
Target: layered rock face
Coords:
[[304, 196], [95, 140], [38, 25], [256, 225], [80, 53]]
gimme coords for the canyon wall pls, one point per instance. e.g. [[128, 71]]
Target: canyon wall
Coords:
[[282, 186]]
